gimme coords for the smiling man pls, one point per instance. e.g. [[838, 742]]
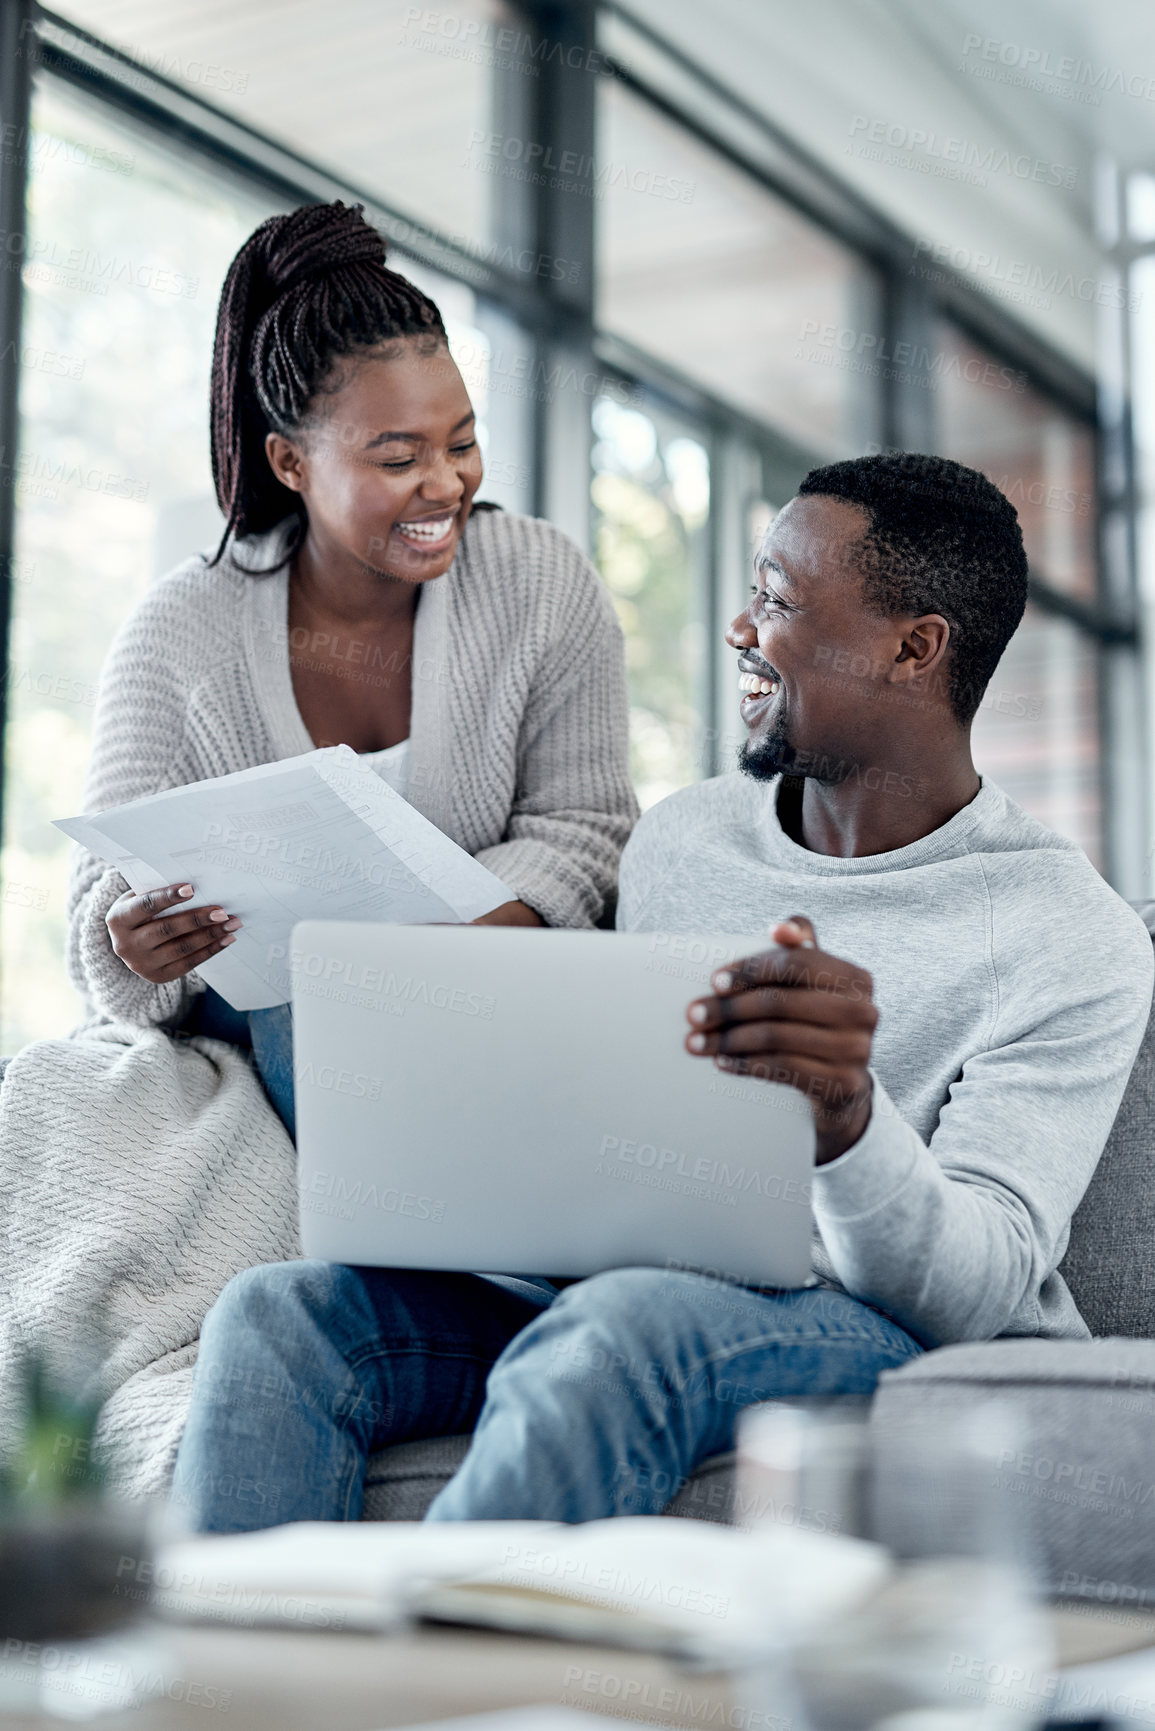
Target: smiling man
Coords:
[[951, 985]]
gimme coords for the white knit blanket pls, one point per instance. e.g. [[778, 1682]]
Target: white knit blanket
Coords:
[[138, 1173]]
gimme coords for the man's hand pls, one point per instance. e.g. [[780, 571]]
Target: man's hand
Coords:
[[796, 1015], [160, 937]]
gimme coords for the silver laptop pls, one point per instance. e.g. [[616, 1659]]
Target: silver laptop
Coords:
[[512, 1101]]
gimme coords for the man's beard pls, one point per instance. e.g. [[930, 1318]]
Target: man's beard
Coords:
[[766, 755]]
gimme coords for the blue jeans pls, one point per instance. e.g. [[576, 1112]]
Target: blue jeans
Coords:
[[271, 1032], [598, 1401], [268, 1033]]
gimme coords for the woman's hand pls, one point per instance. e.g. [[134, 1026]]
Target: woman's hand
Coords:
[[161, 945], [510, 914]]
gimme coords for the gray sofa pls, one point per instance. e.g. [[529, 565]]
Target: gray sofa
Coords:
[[1084, 1482]]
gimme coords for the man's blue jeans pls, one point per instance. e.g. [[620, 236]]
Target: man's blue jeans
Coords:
[[596, 1401]]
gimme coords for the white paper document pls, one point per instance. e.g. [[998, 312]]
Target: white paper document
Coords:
[[318, 837]]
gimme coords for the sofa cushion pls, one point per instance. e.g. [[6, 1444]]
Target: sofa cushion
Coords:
[[402, 1481], [1110, 1262], [1076, 1478]]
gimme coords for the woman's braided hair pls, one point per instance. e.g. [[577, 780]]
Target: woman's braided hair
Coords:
[[304, 290]]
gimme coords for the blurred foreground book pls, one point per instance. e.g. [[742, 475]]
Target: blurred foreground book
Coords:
[[686, 1588]]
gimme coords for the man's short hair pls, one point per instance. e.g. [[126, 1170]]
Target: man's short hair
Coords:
[[942, 539]]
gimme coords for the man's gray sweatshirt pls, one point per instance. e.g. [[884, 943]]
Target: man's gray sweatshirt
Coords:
[[1013, 987]]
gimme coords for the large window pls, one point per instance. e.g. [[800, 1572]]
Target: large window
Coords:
[[128, 246], [651, 495], [399, 99], [991, 418], [703, 268], [719, 322], [1037, 732], [731, 290]]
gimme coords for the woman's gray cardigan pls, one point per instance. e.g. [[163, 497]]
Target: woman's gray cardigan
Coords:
[[518, 730]]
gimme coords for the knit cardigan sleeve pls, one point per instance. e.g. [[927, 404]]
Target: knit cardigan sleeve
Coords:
[[574, 805], [140, 746]]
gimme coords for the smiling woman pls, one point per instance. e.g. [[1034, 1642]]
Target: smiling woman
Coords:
[[358, 597], [380, 504]]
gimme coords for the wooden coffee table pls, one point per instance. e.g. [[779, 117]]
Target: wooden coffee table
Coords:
[[275, 1680], [272, 1680]]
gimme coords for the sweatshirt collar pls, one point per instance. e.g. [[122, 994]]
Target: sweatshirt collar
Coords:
[[951, 840]]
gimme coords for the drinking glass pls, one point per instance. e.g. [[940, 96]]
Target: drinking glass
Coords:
[[953, 1638]]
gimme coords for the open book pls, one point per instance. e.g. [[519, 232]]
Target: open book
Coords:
[[313, 837], [687, 1588], [691, 1589]]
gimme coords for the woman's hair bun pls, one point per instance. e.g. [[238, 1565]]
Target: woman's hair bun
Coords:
[[315, 241]]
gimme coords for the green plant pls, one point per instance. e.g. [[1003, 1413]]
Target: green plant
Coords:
[[50, 1462]]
